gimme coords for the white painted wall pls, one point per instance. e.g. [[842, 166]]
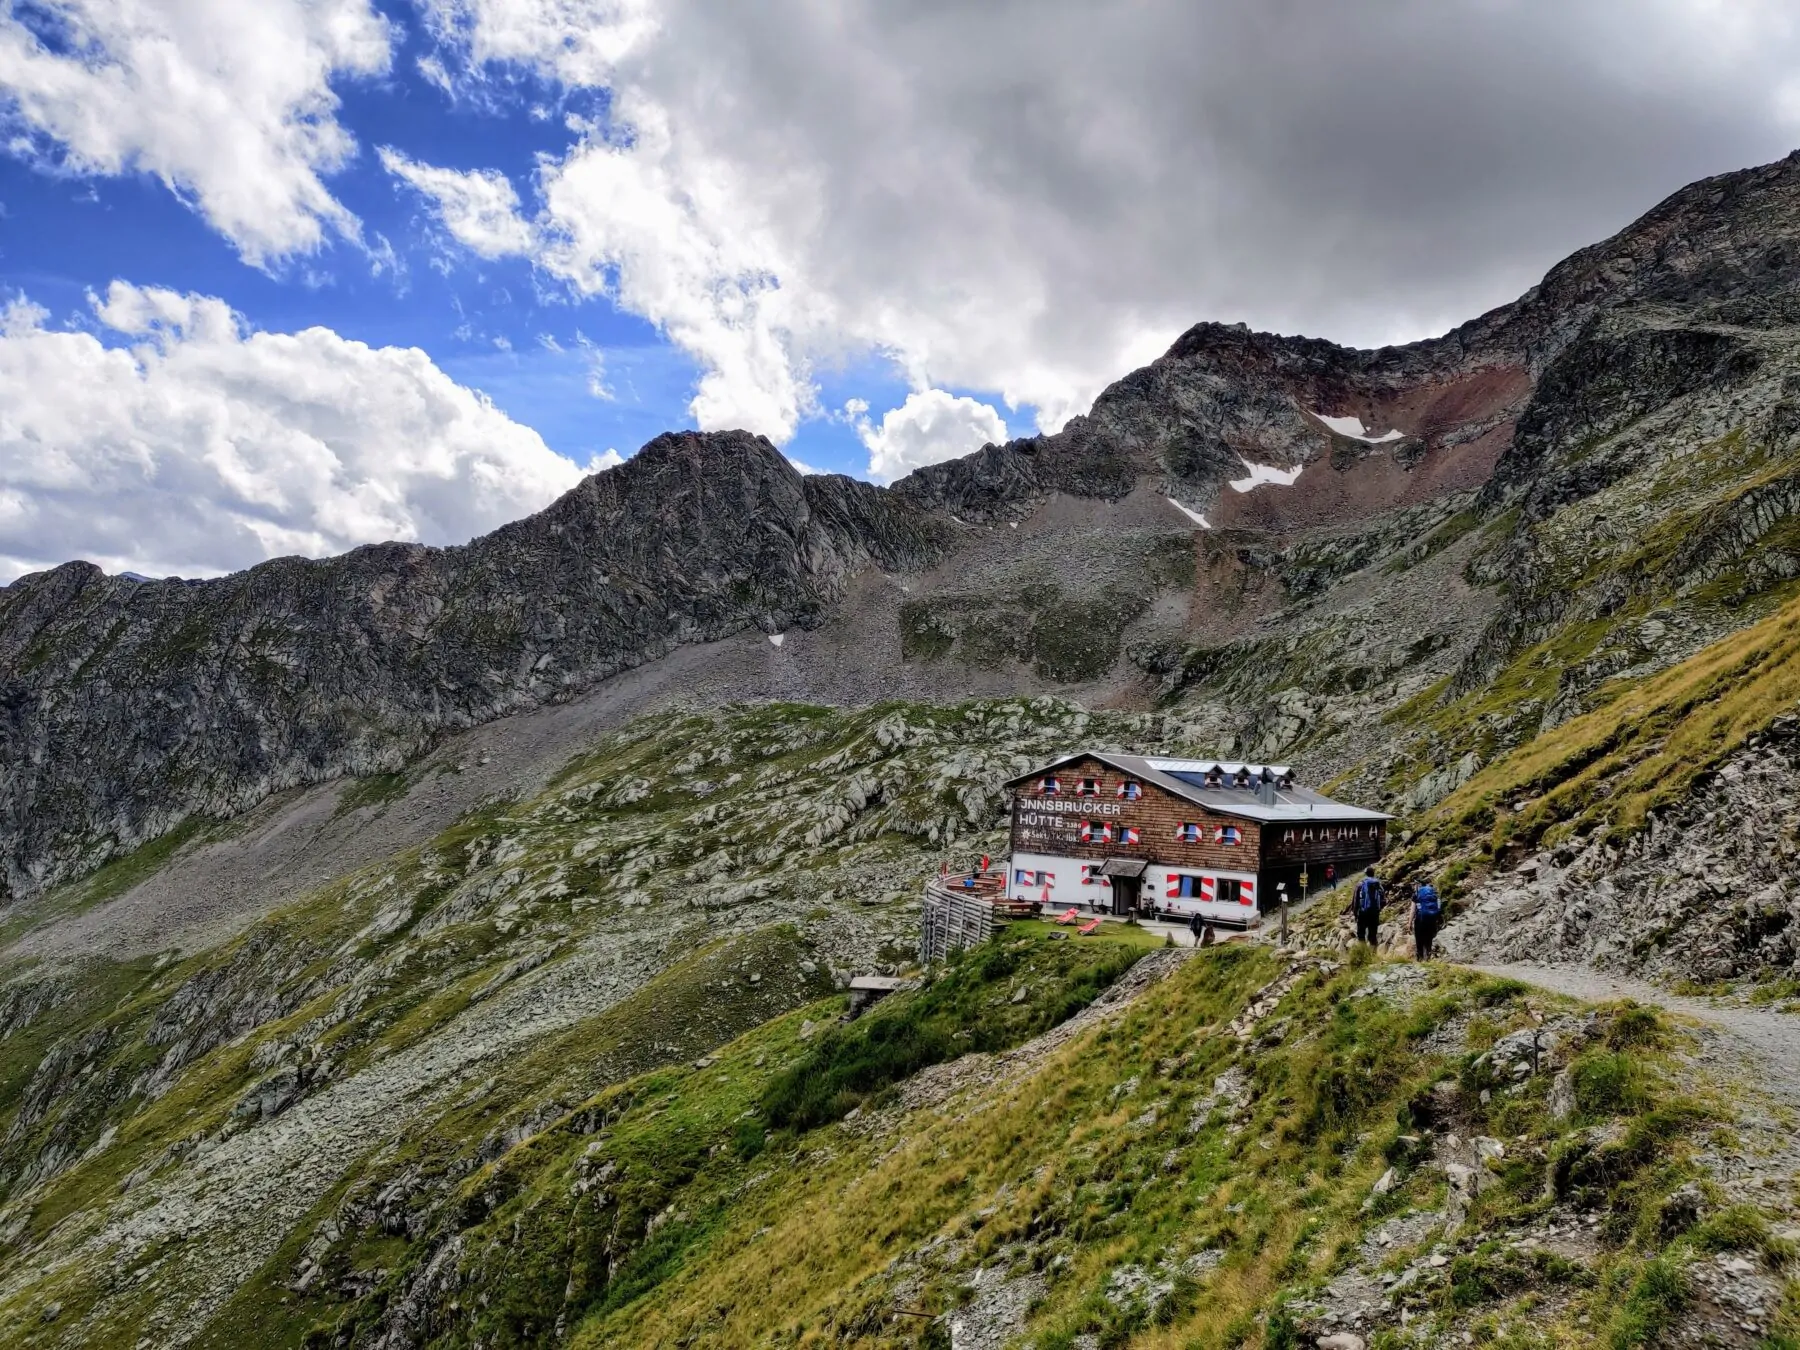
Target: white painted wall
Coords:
[[1065, 885], [1160, 880], [1067, 888]]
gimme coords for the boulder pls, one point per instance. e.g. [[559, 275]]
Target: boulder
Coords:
[[1562, 1095]]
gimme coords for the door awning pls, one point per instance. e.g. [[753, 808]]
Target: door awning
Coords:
[[1124, 867]]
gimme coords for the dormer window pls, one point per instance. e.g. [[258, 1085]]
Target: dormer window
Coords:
[[1129, 791], [1087, 787], [1243, 778], [1215, 778]]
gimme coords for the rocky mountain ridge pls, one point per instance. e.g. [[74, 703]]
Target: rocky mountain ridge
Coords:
[[131, 707]]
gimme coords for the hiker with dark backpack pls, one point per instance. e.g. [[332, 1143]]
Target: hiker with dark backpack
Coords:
[[1365, 904], [1428, 913]]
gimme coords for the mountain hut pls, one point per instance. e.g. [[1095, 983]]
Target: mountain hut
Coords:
[[1171, 838]]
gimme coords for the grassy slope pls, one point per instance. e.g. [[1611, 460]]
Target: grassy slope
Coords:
[[609, 1192], [1107, 1157], [600, 1188], [1109, 1154], [1644, 746], [682, 827]]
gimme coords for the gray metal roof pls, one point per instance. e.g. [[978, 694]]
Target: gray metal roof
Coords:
[[1125, 867], [1289, 805]]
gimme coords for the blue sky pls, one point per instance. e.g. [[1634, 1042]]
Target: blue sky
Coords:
[[489, 323]]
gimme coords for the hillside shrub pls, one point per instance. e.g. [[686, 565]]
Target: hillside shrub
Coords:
[[1741, 1228], [971, 1007], [1495, 1271]]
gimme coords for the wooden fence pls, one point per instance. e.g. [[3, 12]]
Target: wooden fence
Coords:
[[954, 916]]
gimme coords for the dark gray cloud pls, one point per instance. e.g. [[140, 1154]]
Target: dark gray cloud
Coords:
[[1027, 197]]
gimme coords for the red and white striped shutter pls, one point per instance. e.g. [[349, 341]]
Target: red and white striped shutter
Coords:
[[1207, 885], [1174, 880], [1247, 892]]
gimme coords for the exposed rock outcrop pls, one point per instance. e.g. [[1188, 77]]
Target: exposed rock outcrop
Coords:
[[1707, 892]]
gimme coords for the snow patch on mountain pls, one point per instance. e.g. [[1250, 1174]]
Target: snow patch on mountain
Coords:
[[1354, 429], [1265, 473], [1191, 514]]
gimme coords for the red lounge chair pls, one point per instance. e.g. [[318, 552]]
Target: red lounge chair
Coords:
[[1068, 916], [1089, 929]]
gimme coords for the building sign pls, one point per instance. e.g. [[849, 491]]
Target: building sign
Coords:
[[1055, 824]]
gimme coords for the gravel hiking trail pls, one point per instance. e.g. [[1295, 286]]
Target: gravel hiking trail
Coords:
[[1765, 1042]]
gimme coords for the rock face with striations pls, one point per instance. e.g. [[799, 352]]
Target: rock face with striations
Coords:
[[129, 706]]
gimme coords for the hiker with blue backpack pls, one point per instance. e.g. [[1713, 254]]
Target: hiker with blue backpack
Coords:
[[1365, 903], [1428, 913]]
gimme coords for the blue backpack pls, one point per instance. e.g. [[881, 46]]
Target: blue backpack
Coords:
[[1426, 901], [1368, 895]]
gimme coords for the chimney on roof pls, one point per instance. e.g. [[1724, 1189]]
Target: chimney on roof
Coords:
[[1265, 790]]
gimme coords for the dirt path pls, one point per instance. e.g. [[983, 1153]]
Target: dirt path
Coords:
[[1765, 1043]]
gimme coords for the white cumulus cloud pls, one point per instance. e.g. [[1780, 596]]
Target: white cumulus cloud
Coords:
[[229, 102], [480, 208], [579, 42], [199, 446], [931, 426], [669, 240]]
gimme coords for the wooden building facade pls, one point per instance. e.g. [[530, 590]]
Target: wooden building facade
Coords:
[[1119, 834]]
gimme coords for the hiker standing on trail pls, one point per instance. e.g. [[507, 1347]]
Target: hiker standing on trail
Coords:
[[1365, 904], [1428, 913], [1195, 924]]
